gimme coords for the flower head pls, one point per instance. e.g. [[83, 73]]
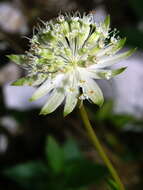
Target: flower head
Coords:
[[65, 58]]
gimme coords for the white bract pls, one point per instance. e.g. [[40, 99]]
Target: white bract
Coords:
[[65, 58]]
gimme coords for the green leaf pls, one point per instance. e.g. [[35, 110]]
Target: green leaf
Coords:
[[105, 112], [71, 151], [82, 173], [121, 120], [54, 155], [31, 175]]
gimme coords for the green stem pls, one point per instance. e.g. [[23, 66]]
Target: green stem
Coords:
[[98, 146]]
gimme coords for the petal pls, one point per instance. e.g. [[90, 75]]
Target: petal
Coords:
[[91, 89], [114, 59], [83, 36], [105, 74], [93, 38], [29, 81], [23, 81], [72, 96], [54, 100], [112, 49], [71, 101], [18, 59], [107, 22], [46, 87], [110, 60]]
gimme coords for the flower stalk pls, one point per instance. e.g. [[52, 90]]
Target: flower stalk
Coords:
[[94, 139]]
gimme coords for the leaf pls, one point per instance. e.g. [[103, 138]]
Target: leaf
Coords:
[[105, 112], [55, 155], [82, 173], [29, 175], [121, 120], [71, 151]]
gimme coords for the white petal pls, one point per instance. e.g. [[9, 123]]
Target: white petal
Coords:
[[46, 87], [84, 35], [71, 96], [105, 74], [112, 49], [90, 89], [110, 60], [29, 81], [54, 100], [71, 101]]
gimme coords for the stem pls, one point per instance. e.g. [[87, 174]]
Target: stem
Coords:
[[98, 146]]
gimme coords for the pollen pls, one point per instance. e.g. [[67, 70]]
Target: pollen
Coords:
[[71, 89], [82, 81], [91, 92]]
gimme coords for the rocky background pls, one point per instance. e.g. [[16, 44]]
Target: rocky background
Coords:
[[119, 124]]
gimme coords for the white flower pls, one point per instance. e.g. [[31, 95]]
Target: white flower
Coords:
[[66, 57]]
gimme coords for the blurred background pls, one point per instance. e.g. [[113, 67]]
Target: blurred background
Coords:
[[52, 152]]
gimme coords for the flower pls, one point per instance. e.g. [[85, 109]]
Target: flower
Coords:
[[65, 58]]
